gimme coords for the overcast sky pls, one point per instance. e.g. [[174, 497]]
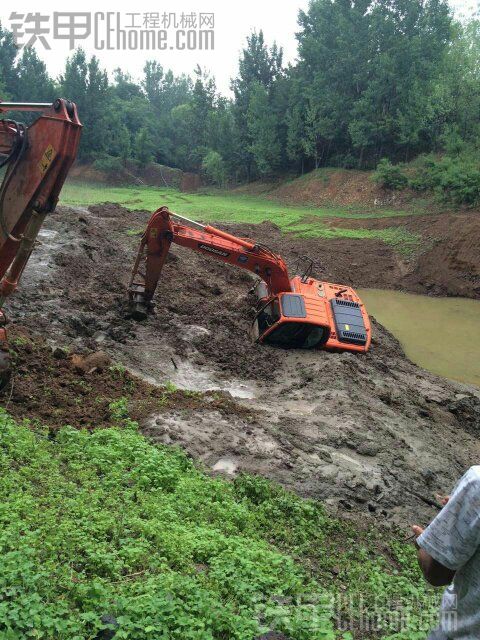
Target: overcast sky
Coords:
[[233, 21]]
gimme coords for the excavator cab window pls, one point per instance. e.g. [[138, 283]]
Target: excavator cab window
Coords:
[[268, 316], [298, 335]]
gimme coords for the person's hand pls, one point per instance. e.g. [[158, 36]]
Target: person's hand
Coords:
[[443, 500], [417, 531]]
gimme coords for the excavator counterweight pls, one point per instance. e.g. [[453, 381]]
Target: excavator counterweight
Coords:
[[36, 160], [299, 312]]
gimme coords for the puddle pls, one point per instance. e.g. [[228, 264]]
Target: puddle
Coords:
[[47, 234], [186, 376], [225, 465], [439, 334]]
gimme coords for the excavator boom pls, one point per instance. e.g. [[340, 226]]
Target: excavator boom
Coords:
[[300, 312], [36, 160], [165, 227]]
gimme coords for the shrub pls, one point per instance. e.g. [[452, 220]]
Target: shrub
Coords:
[[390, 176], [214, 168], [453, 179], [109, 165], [460, 183]]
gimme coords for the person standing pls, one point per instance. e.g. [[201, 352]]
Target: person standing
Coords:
[[449, 554]]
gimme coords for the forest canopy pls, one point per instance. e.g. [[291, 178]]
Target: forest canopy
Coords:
[[374, 79]]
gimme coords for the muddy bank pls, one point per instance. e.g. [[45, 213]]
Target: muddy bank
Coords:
[[56, 386], [370, 434], [447, 261]]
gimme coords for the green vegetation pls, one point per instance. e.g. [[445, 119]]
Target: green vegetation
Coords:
[[105, 524], [381, 78], [390, 176], [454, 179], [214, 169], [303, 221]]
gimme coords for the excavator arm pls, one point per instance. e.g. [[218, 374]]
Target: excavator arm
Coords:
[[301, 312], [36, 161], [165, 227]]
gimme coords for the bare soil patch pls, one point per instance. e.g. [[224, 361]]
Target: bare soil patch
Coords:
[[447, 261]]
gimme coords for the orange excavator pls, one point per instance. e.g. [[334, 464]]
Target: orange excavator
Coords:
[[298, 312], [36, 161]]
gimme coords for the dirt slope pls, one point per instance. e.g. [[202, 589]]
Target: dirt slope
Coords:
[[447, 261], [336, 187], [373, 435], [330, 186]]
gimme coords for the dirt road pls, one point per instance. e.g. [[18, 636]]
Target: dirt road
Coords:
[[368, 434]]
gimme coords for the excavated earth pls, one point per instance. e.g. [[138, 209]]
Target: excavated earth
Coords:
[[372, 435]]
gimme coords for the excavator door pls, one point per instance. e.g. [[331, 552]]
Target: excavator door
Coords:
[[283, 321]]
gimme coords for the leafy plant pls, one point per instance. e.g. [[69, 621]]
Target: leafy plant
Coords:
[[454, 179], [105, 526], [390, 176]]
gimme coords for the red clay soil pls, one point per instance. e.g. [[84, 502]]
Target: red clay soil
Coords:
[[447, 261], [327, 187], [55, 387]]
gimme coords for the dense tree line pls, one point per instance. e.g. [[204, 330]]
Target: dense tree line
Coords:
[[374, 79]]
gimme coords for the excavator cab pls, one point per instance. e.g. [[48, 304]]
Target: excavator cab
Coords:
[[283, 322]]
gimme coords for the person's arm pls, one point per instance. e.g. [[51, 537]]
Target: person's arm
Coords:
[[435, 573], [452, 538]]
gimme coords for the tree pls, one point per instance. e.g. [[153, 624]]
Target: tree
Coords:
[[8, 71], [407, 46], [125, 87], [202, 103], [295, 134], [457, 90], [214, 168], [143, 148], [258, 65], [87, 84], [118, 139], [370, 67], [33, 82], [262, 129]]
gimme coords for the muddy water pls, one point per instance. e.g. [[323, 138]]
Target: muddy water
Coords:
[[439, 334]]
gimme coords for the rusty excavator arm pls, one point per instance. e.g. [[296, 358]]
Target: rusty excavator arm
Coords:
[[36, 161], [300, 312]]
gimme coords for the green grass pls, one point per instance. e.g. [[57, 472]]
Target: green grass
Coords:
[[304, 221], [105, 523]]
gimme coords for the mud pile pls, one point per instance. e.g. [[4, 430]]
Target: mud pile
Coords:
[[56, 387], [369, 434]]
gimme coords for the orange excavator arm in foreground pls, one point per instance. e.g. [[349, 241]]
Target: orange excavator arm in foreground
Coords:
[[301, 312], [37, 161]]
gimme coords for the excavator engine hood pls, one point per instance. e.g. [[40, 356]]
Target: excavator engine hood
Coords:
[[349, 321]]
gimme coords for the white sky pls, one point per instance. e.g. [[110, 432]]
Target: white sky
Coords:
[[234, 19]]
